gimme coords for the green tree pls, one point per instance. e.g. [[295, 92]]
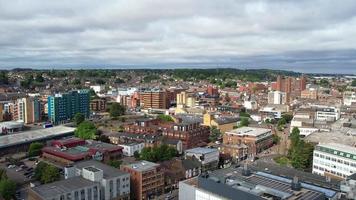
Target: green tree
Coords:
[[35, 149], [41, 166], [86, 130], [115, 163], [50, 174], [78, 118], [353, 83], [215, 134], [3, 174], [244, 122], [287, 117], [300, 153], [116, 110], [39, 78], [166, 118], [161, 153], [137, 155], [7, 189], [276, 139]]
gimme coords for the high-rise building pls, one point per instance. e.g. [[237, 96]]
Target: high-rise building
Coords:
[[277, 97], [147, 179], [212, 91], [63, 107], [156, 99], [290, 85], [27, 109]]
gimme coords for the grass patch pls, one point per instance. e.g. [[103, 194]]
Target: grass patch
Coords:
[[281, 160]]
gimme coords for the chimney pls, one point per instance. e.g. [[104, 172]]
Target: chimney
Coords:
[[296, 186]]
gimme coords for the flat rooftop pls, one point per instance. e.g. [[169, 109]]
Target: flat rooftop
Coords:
[[109, 172], [249, 131], [34, 135], [48, 191], [142, 165], [339, 147], [201, 150], [332, 137]]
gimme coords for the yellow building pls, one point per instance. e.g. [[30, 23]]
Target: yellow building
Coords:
[[224, 124]]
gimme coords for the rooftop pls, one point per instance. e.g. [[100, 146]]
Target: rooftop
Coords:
[[142, 165], [108, 171], [48, 191], [201, 150], [34, 135], [339, 147], [250, 131]]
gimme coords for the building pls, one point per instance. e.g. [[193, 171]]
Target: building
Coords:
[[11, 127], [326, 113], [277, 97], [273, 111], [212, 91], [223, 123], [291, 85], [348, 187], [129, 149], [156, 99], [63, 107], [19, 142], [98, 105], [334, 160], [242, 183], [71, 150], [311, 93], [97, 88], [147, 179], [208, 157], [349, 98], [27, 109], [88, 180], [247, 140]]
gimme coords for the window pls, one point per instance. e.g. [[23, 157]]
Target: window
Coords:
[[82, 194], [76, 195], [89, 194]]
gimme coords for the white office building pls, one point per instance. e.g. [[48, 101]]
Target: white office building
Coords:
[[327, 113], [129, 149], [349, 98], [334, 160], [277, 97]]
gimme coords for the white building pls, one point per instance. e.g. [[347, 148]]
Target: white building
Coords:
[[97, 88], [208, 157], [349, 98], [250, 104], [277, 97], [334, 160], [129, 149], [326, 113], [115, 184], [126, 91]]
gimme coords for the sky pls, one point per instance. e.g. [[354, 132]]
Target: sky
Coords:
[[299, 35]]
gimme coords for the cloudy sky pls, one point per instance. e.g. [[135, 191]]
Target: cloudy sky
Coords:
[[302, 35]]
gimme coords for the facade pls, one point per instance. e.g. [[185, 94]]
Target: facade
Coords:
[[88, 180], [310, 93], [334, 160], [27, 109], [349, 98], [248, 141], [147, 179], [277, 97], [222, 123], [63, 107], [130, 148], [156, 99], [348, 187], [98, 105], [208, 157], [324, 113]]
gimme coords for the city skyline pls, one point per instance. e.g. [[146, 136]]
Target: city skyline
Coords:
[[303, 36]]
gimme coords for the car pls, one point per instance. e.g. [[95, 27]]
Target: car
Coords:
[[19, 169], [11, 166]]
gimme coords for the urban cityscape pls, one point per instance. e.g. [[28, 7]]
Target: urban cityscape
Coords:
[[177, 100]]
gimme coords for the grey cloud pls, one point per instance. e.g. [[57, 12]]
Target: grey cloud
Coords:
[[256, 33]]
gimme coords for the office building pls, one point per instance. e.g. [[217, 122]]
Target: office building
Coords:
[[349, 98], [129, 149], [326, 113], [246, 142], [88, 180], [277, 97], [333, 160], [147, 179], [208, 157], [63, 107], [156, 99]]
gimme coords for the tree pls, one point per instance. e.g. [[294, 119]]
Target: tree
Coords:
[[300, 153], [215, 134], [137, 155], [78, 118], [41, 166], [39, 78], [244, 122], [287, 117], [161, 153], [7, 189], [165, 118], [353, 83], [276, 139], [104, 138], [35, 149], [86, 130], [50, 174], [116, 110], [115, 163]]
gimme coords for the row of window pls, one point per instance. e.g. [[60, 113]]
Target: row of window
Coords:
[[329, 171], [352, 164]]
